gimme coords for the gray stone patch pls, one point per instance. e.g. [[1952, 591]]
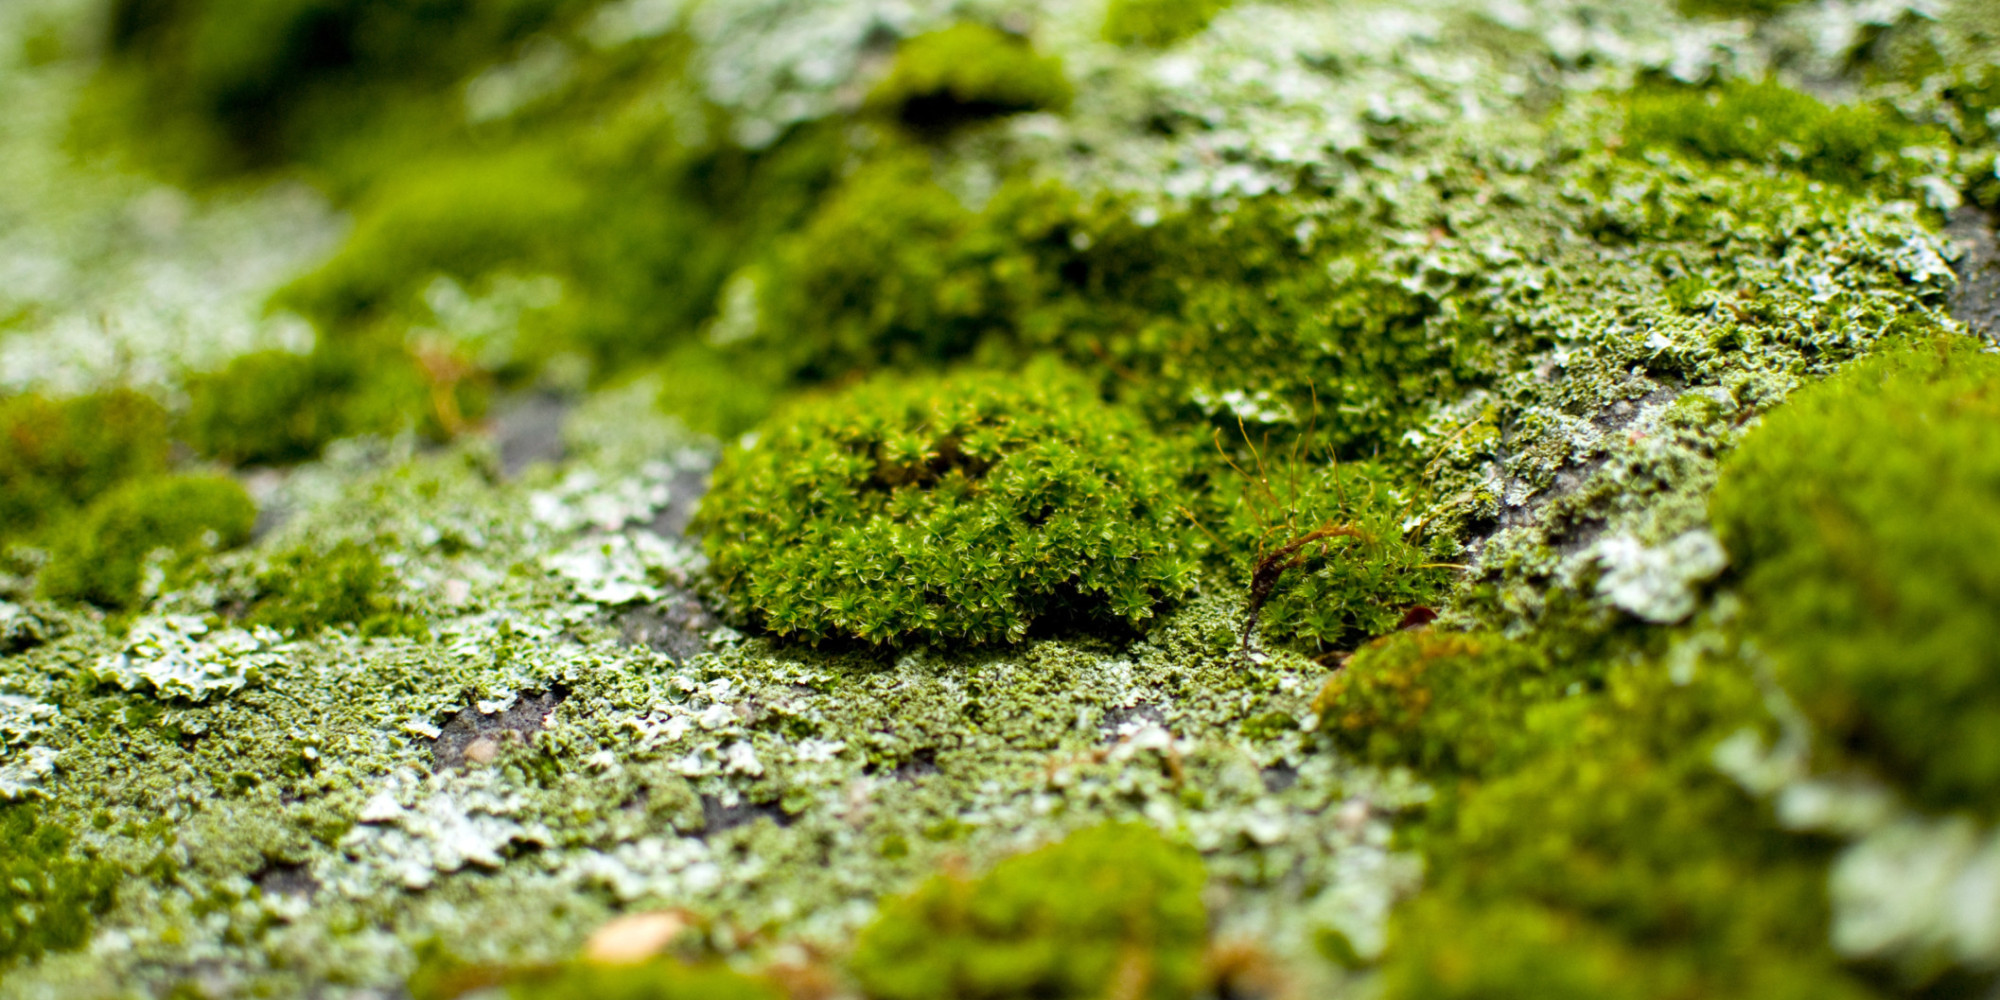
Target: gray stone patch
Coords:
[[678, 625], [1976, 301], [472, 735], [529, 431]]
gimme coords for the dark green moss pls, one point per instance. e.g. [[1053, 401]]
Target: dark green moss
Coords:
[[1600, 853], [1863, 516], [1769, 123], [1157, 22], [308, 589], [239, 84], [58, 454], [101, 554], [1114, 910], [274, 407], [460, 218], [963, 507], [1441, 702], [50, 896], [966, 72]]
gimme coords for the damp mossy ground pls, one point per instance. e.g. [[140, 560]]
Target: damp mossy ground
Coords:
[[1486, 391]]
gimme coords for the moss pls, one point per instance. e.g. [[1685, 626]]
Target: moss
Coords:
[[1357, 572], [458, 217], [310, 588], [966, 72], [243, 84], [1113, 910], [50, 896], [963, 507], [1769, 123], [1157, 22], [1260, 309], [58, 454], [1441, 702], [1862, 516], [658, 979], [275, 407], [1605, 856], [101, 555]]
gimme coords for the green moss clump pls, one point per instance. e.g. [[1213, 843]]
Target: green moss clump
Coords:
[[1441, 702], [274, 407], [58, 454], [948, 508], [1157, 22], [966, 72], [308, 589], [99, 557], [1114, 910], [1864, 515], [1357, 576], [1770, 123], [49, 897]]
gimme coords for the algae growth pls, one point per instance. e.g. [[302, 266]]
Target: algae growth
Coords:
[[1145, 498]]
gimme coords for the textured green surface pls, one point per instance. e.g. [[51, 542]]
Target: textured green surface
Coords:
[[1466, 306]]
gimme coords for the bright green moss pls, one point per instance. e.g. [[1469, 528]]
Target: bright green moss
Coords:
[[100, 556], [1350, 571], [969, 71], [1437, 701], [1207, 314], [956, 508], [1769, 123], [1157, 22], [652, 981], [657, 979], [1114, 910], [308, 589], [49, 896], [58, 454], [1864, 515]]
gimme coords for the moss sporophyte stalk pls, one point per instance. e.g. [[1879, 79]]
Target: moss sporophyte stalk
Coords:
[[1174, 499]]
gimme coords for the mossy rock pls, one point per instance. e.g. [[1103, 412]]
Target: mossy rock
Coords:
[[1114, 910], [50, 896], [966, 72], [58, 454], [1863, 515], [954, 508], [100, 556]]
